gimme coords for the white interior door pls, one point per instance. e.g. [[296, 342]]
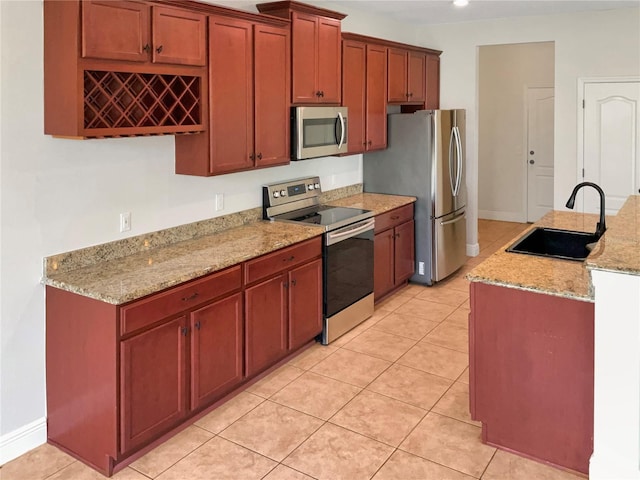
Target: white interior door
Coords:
[[539, 152], [610, 137]]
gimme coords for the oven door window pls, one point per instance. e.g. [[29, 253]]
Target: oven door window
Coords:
[[348, 274]]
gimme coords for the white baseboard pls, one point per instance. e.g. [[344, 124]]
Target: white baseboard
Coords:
[[473, 250], [502, 216], [20, 441]]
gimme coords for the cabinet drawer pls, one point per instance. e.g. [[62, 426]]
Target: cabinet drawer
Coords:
[[394, 217], [282, 259], [148, 311]]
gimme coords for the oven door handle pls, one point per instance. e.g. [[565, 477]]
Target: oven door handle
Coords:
[[350, 231]]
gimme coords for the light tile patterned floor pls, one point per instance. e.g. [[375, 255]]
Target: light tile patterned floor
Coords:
[[388, 400]]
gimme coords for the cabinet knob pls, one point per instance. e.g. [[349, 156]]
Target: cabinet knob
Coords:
[[285, 284], [252, 156], [410, 94], [159, 49], [369, 143], [260, 156], [293, 283], [197, 325], [147, 48], [184, 331]]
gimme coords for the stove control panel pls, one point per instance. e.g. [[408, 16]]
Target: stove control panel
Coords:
[[297, 193]]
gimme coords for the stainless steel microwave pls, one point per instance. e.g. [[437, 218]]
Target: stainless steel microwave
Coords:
[[318, 132]]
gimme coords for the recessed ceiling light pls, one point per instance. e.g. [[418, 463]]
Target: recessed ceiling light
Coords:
[[461, 3]]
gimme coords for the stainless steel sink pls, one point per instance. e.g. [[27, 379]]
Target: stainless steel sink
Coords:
[[554, 243]]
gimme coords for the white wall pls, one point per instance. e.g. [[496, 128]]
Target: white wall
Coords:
[[504, 73], [603, 43], [58, 195]]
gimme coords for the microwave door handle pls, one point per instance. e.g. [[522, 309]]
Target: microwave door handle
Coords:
[[341, 119]]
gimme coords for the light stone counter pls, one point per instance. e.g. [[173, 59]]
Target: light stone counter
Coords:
[[121, 280], [564, 278], [125, 270], [377, 202], [619, 248]]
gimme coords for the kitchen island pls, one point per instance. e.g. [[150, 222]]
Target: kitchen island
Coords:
[[532, 344]]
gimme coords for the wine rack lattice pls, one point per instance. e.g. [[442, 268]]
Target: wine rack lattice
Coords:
[[127, 100]]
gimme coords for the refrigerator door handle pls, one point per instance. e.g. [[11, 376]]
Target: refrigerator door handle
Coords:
[[451, 173], [459, 158], [456, 219]]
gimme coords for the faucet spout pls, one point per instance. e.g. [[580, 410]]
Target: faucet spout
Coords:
[[601, 227]]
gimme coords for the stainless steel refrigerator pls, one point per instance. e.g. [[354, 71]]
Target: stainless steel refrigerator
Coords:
[[425, 158]]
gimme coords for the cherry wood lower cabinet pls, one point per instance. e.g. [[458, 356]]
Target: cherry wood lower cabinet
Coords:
[[284, 304], [394, 250], [121, 376], [531, 373]]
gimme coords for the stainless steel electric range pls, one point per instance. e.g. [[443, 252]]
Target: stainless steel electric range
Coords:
[[347, 250]]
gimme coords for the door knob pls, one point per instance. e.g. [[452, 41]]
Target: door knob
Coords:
[[532, 161]]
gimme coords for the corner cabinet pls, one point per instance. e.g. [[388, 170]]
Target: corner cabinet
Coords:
[[394, 250], [123, 68], [249, 113], [316, 51], [364, 77]]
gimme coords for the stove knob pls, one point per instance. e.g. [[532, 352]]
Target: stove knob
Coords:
[[276, 194], [310, 186], [317, 185], [283, 193]]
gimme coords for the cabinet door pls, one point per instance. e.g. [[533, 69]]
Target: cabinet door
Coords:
[[266, 324], [179, 37], [329, 60], [353, 92], [116, 30], [404, 252], [417, 85], [216, 350], [231, 93], [305, 303], [397, 83], [272, 86], [433, 82], [376, 123], [383, 271], [304, 76], [152, 383]]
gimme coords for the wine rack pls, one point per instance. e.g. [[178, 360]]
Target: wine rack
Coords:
[[123, 100]]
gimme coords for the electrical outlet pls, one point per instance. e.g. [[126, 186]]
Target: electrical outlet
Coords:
[[421, 268], [125, 222], [219, 202]]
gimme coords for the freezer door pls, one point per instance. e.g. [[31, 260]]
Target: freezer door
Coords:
[[449, 244]]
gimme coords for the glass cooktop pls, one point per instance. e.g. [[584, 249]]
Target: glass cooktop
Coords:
[[327, 216]]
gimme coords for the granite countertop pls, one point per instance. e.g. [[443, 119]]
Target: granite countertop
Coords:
[[617, 251], [143, 267], [377, 202], [564, 278], [619, 248]]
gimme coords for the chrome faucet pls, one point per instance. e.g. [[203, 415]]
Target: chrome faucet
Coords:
[[601, 227]]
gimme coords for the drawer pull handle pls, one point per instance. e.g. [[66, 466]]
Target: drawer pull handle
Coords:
[[395, 217], [288, 259], [190, 297]]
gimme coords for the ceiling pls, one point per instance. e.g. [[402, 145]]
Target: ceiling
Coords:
[[425, 12]]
